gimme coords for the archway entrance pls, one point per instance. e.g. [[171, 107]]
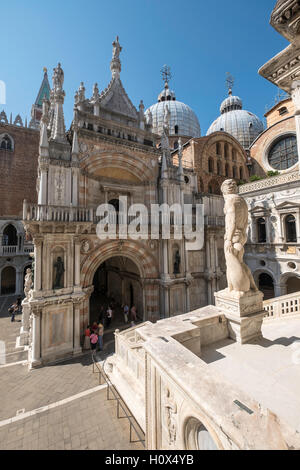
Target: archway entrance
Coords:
[[292, 285], [266, 286], [8, 281], [116, 282]]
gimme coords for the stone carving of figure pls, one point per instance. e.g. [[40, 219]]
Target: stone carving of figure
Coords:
[[28, 283], [60, 269], [58, 78], [177, 263], [116, 49], [149, 118], [165, 135], [85, 246], [239, 277], [171, 412]]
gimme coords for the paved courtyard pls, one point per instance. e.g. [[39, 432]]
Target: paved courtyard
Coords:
[[60, 406]]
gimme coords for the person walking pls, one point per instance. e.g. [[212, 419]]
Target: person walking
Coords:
[[108, 316], [101, 314], [87, 341], [126, 311], [94, 341], [133, 314], [100, 336], [12, 311]]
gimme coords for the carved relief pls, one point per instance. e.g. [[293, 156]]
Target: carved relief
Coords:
[[170, 416]]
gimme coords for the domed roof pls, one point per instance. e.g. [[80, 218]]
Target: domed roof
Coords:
[[234, 120], [183, 121]]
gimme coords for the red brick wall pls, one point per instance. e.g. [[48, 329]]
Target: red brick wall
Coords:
[[18, 170]]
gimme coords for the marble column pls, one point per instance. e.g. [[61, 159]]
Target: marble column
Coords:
[[77, 263], [76, 341], [36, 340], [38, 264], [43, 189], [295, 93]]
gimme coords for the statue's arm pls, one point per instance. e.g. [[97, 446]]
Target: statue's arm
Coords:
[[230, 222]]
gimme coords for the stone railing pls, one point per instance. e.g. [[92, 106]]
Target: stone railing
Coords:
[[214, 221], [7, 250], [43, 213], [284, 306], [269, 182]]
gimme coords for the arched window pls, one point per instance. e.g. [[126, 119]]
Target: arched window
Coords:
[[219, 168], [234, 172], [218, 148], [176, 144], [283, 154], [241, 173], [210, 189], [6, 143], [114, 218], [227, 170], [226, 151], [261, 231], [176, 129], [233, 154], [10, 237], [290, 229], [210, 165]]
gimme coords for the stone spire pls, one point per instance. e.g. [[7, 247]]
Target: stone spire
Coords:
[[115, 65], [58, 130], [44, 143], [75, 145]]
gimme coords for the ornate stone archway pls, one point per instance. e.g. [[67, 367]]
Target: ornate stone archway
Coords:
[[143, 259]]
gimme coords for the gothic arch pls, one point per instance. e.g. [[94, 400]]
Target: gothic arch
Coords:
[[134, 165]]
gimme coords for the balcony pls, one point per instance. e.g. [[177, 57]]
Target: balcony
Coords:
[[7, 250]]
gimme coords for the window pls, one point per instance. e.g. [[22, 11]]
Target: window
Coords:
[[234, 172], [210, 165], [176, 144], [227, 170], [10, 237], [176, 129], [6, 143], [241, 173], [219, 168], [283, 154], [261, 230], [218, 148], [290, 229], [233, 153], [282, 111], [226, 151]]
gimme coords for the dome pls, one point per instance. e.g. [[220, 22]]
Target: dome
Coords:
[[234, 120], [183, 120]]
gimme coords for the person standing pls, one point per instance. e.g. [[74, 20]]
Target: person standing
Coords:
[[100, 336], [13, 310], [87, 341], [126, 311], [101, 314], [94, 341]]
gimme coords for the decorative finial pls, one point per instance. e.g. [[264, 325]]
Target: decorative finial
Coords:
[[166, 74], [229, 83]]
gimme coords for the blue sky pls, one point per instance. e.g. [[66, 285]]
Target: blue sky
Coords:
[[199, 41]]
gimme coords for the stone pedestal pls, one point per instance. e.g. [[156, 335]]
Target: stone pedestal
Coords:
[[244, 314]]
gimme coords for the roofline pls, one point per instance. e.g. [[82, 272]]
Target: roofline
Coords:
[[279, 102]]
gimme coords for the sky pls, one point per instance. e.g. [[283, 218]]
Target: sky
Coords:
[[198, 39]]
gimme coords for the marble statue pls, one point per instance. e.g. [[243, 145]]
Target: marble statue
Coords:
[[60, 269], [116, 49], [239, 277], [28, 283], [177, 263], [58, 78]]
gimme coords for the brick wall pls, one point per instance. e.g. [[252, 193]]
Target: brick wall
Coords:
[[18, 170]]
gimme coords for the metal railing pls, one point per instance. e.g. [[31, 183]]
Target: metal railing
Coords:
[[120, 402]]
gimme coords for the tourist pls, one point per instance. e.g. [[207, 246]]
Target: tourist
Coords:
[[87, 341], [109, 314], [133, 314], [19, 304], [13, 309], [126, 311], [95, 327], [94, 341], [100, 336]]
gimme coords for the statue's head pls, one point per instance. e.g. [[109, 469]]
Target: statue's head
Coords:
[[229, 187], [59, 259], [28, 271]]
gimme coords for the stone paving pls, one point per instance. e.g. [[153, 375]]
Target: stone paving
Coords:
[[9, 331], [89, 423]]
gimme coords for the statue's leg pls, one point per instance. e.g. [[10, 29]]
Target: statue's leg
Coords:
[[253, 286]]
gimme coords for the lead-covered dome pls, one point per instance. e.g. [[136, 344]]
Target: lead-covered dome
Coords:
[[183, 121], [234, 120]]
